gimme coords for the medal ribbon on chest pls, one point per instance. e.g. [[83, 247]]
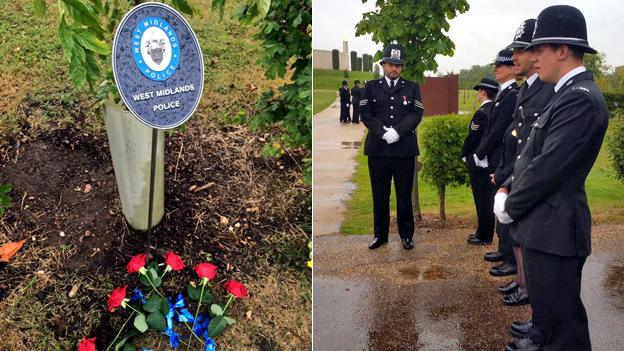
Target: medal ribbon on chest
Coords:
[[405, 100]]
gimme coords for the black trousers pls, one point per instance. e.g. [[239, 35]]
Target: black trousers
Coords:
[[382, 170], [559, 317], [344, 113], [356, 113], [483, 192], [505, 243]]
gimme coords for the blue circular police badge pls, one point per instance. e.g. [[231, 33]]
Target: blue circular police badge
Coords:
[[155, 48], [158, 65]]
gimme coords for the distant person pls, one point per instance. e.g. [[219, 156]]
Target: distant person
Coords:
[[356, 95], [345, 102], [480, 182], [545, 201], [391, 110]]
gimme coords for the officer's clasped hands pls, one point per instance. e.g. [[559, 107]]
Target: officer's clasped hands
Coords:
[[390, 136], [499, 208]]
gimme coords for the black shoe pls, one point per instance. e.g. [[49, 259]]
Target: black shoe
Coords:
[[508, 288], [503, 270], [524, 344], [520, 329], [476, 241], [376, 243], [516, 298], [493, 256], [472, 236], [408, 244]]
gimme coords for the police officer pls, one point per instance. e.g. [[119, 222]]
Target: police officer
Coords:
[[391, 109], [356, 95], [480, 177], [345, 101], [488, 154], [532, 97], [547, 204]]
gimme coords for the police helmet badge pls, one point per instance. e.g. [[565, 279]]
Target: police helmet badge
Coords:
[[395, 53], [520, 30]]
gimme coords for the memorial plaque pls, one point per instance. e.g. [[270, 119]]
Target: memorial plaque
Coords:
[[158, 65]]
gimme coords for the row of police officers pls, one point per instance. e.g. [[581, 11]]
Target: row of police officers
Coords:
[[350, 98], [529, 150]]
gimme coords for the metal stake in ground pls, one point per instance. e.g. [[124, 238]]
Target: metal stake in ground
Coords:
[[150, 203]]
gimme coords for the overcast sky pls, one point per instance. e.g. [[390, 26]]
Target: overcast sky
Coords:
[[479, 33]]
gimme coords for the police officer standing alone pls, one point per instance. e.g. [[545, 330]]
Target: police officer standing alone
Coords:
[[345, 102], [547, 204], [391, 110], [356, 96]]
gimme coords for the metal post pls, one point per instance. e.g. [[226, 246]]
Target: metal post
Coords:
[[151, 191]]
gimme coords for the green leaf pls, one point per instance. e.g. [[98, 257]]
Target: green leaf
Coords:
[[82, 14], [156, 321], [67, 38], [229, 321], [88, 38], [263, 7], [216, 326], [153, 275], [216, 310], [40, 7], [129, 347], [164, 306], [207, 298], [182, 5], [140, 323], [143, 280], [152, 304], [77, 72], [193, 292]]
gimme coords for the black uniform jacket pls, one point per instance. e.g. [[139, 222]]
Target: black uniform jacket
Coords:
[[530, 102], [547, 200], [400, 108], [356, 96], [475, 132], [345, 96], [500, 118]]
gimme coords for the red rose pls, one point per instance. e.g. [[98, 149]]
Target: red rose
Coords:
[[206, 270], [174, 261], [136, 263], [87, 344], [116, 298], [235, 288]]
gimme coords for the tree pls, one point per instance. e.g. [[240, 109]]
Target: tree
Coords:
[[354, 61], [359, 64], [335, 59], [419, 26], [368, 63], [596, 64], [469, 77], [442, 141], [376, 72]]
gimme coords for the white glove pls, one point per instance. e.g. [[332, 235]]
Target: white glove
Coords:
[[390, 136], [347, 105], [499, 208], [464, 159], [481, 163]]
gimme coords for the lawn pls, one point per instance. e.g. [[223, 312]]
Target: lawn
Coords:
[[604, 191], [325, 85], [252, 220], [468, 101]]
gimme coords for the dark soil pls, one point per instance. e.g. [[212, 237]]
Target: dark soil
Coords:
[[266, 204]]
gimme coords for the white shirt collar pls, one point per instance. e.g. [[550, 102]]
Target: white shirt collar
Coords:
[[484, 102], [506, 84], [532, 79], [567, 76], [388, 80]]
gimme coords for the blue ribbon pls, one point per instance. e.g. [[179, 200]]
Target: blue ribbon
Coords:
[[183, 314], [211, 345], [137, 295]]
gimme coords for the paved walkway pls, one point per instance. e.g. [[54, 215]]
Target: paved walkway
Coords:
[[335, 147]]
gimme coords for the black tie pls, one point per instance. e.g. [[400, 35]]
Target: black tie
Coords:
[[392, 84]]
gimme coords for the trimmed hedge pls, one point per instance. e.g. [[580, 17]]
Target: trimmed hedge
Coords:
[[615, 146]]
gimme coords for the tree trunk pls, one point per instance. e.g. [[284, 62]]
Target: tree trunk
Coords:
[[441, 195], [415, 197]]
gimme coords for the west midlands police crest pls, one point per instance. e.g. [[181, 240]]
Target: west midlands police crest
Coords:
[[155, 48]]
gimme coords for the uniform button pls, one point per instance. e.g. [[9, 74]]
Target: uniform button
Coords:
[[392, 98], [512, 178], [520, 124], [518, 157], [519, 141], [392, 107], [535, 114], [391, 116]]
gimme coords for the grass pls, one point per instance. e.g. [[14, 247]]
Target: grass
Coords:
[[468, 101], [605, 195], [326, 82]]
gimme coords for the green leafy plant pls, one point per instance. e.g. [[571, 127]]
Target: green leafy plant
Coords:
[[85, 30], [442, 141], [424, 37], [5, 197], [615, 146]]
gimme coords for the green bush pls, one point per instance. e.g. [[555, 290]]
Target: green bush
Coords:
[[442, 141], [615, 101], [335, 59], [615, 145]]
